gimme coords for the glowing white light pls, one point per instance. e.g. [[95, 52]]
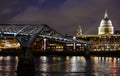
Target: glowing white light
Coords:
[[44, 46], [43, 58], [74, 38], [1, 58]]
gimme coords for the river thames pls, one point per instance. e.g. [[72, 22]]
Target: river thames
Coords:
[[65, 66]]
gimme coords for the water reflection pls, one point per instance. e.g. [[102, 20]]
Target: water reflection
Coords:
[[76, 65], [7, 66], [65, 66], [108, 66]]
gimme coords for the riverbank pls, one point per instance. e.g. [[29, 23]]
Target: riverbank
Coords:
[[16, 52]]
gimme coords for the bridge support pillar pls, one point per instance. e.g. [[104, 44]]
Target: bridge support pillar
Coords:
[[26, 62]]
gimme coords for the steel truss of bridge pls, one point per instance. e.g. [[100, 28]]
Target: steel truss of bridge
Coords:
[[30, 32]]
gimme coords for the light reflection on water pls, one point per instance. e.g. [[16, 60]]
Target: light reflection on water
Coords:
[[78, 66], [7, 66], [65, 66]]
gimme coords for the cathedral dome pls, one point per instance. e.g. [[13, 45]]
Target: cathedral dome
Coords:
[[106, 25], [106, 22]]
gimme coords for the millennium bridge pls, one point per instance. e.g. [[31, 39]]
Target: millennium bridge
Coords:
[[38, 36]]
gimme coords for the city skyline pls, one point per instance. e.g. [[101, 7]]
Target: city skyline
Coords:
[[63, 15]]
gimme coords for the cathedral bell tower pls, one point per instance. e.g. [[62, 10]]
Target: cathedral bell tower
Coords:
[[79, 31]]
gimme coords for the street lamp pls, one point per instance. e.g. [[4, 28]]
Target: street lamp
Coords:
[[74, 44], [44, 44]]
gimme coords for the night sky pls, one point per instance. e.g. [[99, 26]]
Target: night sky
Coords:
[[62, 15]]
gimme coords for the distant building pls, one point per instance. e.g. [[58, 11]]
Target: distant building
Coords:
[[79, 31], [106, 39], [106, 25]]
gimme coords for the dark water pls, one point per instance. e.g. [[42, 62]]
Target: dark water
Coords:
[[65, 66]]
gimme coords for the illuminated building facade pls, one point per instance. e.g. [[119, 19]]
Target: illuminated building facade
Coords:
[[105, 40], [106, 25], [79, 31]]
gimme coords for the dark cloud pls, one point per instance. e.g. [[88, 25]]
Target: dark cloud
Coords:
[[49, 4], [62, 15], [11, 8]]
